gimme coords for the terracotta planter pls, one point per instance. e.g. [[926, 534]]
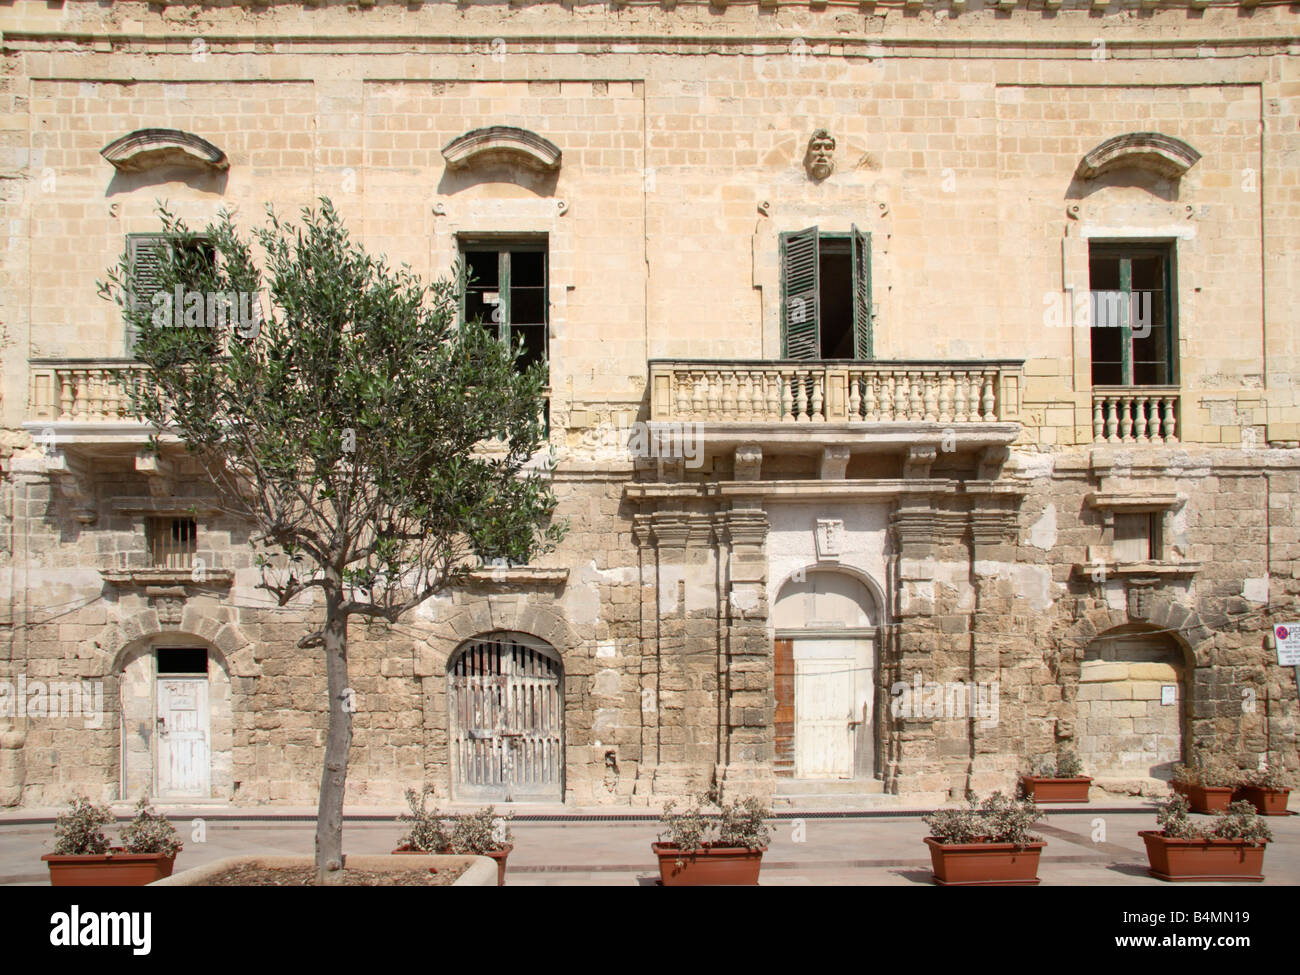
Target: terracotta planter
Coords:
[[720, 866], [1267, 802], [984, 864], [1208, 798], [113, 869], [1174, 859], [1042, 788], [499, 856]]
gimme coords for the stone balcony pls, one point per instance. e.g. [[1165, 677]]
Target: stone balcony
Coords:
[[799, 406], [84, 403], [1135, 414]]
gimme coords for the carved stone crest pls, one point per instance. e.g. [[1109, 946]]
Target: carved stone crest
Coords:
[[830, 538]]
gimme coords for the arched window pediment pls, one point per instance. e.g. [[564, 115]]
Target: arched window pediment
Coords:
[[146, 148], [1161, 154], [502, 144]]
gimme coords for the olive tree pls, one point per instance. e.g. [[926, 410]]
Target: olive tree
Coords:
[[377, 446]]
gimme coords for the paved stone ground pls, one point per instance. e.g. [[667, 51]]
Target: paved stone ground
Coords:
[[866, 850]]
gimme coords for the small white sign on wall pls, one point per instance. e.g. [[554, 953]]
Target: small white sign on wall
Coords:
[[1288, 644], [1168, 694]]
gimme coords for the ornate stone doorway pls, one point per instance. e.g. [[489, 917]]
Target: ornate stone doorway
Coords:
[[825, 677]]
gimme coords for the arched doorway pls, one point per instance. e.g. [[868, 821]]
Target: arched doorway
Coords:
[[506, 709], [1132, 704], [825, 675], [176, 722]]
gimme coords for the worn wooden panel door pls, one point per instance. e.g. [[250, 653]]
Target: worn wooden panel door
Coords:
[[184, 765], [506, 704], [823, 712]]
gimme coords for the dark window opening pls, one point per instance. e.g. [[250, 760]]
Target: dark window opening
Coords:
[[836, 300], [1132, 321], [182, 660], [826, 295], [172, 542], [505, 289]]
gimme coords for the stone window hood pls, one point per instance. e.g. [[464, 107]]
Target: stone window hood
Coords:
[[146, 148], [1161, 154], [502, 144]]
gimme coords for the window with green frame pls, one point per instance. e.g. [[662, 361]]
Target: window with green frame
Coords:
[[504, 287], [144, 257], [826, 295], [1133, 321]]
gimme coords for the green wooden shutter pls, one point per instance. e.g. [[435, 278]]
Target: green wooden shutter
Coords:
[[862, 331], [144, 252], [800, 295]]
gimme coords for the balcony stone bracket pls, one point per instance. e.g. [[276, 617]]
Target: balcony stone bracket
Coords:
[[159, 473], [834, 462], [749, 462], [75, 482]]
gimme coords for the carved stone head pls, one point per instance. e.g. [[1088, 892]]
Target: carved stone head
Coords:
[[819, 160]]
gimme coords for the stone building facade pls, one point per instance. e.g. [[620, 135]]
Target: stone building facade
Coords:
[[867, 483]]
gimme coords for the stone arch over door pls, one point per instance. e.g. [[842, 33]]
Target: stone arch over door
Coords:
[[150, 735], [505, 703], [129, 664], [826, 675]]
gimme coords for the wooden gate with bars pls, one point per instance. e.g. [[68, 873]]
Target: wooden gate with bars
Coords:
[[506, 702]]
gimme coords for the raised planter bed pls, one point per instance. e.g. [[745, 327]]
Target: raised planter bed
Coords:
[[732, 866], [497, 856], [1202, 859], [984, 864], [1045, 789], [479, 872], [116, 868]]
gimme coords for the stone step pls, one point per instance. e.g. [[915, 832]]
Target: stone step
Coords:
[[798, 788]]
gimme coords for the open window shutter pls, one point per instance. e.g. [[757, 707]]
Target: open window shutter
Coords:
[[862, 332], [145, 254], [800, 295]]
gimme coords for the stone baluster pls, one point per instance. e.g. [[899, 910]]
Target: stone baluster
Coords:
[[786, 378], [1098, 421], [819, 377], [1125, 419], [869, 402], [987, 400], [1112, 419], [916, 405], [801, 395], [1140, 419], [855, 396], [712, 385], [960, 382], [1171, 433]]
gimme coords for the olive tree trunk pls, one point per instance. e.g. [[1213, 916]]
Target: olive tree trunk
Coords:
[[338, 742]]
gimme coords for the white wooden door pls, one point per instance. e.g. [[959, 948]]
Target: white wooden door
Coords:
[[184, 766], [823, 718]]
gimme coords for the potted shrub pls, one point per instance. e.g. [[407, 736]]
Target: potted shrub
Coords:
[[1057, 781], [1208, 783], [1268, 790], [481, 833], [1231, 849], [83, 857], [700, 847], [985, 844]]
